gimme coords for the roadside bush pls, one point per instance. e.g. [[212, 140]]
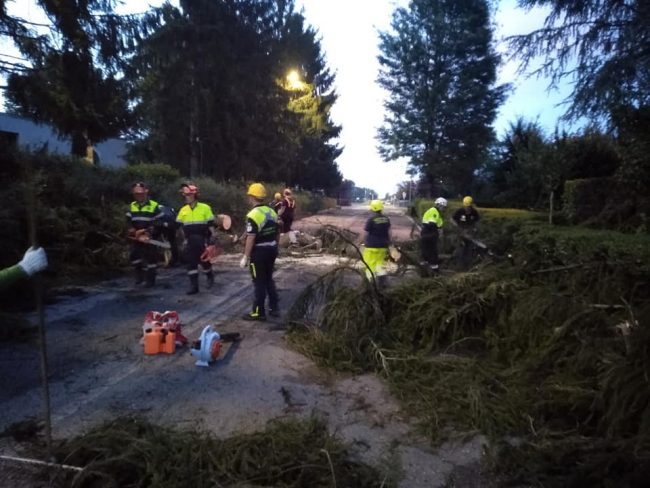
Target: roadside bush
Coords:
[[79, 209], [585, 198], [158, 176]]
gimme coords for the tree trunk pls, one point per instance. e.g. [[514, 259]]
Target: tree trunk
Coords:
[[194, 157], [550, 209]]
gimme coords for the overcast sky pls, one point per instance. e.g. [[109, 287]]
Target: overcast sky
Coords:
[[348, 30]]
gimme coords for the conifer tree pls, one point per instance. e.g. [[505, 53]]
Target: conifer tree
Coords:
[[438, 66]]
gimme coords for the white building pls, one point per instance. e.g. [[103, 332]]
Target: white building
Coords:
[[25, 133]]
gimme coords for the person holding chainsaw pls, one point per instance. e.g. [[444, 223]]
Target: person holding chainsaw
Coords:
[[260, 252], [430, 233], [466, 218], [142, 219], [196, 218], [34, 261]]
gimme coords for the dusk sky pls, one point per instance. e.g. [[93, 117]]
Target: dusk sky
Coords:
[[348, 30]]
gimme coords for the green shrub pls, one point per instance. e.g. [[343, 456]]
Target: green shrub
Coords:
[[158, 176], [585, 198]]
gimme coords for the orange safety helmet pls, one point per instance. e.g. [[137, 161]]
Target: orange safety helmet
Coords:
[[139, 188]]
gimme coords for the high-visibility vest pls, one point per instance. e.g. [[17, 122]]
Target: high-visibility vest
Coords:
[[262, 221], [432, 220], [195, 220], [143, 215]]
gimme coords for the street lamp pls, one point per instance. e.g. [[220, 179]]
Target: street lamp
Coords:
[[293, 78]]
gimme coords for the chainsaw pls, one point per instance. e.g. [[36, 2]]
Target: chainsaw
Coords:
[[143, 237], [211, 253]]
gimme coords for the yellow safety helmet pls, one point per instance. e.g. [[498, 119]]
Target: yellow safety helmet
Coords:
[[277, 196], [257, 190], [376, 205], [468, 201]]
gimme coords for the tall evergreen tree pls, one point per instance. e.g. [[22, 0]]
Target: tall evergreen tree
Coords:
[[70, 76], [438, 66], [212, 94]]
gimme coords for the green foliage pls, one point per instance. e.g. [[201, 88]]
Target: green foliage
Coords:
[[574, 245], [80, 209], [156, 176], [591, 154], [552, 352], [238, 120], [133, 452], [526, 168], [72, 80], [439, 67], [595, 44], [585, 198]]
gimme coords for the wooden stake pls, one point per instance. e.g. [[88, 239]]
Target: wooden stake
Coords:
[[38, 293]]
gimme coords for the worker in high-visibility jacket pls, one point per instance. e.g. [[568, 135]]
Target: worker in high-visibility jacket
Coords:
[[142, 218], [430, 233], [466, 219], [197, 219], [376, 238], [260, 252]]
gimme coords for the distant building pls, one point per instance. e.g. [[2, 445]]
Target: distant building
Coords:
[[22, 132]]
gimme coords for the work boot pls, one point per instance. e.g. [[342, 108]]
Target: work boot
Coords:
[[194, 285], [274, 313], [151, 278], [139, 276], [255, 316], [210, 276]]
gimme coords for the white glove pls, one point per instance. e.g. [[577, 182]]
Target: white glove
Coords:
[[245, 261], [33, 261]]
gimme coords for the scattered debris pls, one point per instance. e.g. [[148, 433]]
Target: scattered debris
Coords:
[[290, 453]]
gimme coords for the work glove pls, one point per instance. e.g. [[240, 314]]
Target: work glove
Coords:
[[34, 261], [245, 261]]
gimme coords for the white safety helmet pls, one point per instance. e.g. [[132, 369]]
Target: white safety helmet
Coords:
[[440, 202]]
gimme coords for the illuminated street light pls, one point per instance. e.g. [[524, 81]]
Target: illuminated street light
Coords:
[[295, 83]]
